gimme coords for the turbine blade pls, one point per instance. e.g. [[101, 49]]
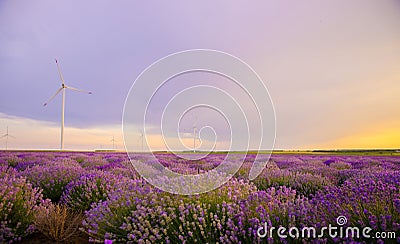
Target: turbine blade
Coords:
[[12, 136], [59, 71], [76, 89], [3, 136], [58, 91]]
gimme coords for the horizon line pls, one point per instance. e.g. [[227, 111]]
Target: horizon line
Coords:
[[217, 151]]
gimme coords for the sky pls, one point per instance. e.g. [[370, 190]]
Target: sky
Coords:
[[332, 69]]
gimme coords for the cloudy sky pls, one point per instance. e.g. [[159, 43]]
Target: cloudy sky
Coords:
[[332, 68]]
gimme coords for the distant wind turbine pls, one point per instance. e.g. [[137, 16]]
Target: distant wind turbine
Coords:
[[62, 88], [7, 135], [113, 141], [194, 135], [141, 138]]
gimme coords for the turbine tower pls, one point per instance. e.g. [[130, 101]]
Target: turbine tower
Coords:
[[62, 88], [7, 135]]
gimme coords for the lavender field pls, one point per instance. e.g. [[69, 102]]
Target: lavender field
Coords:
[[99, 197]]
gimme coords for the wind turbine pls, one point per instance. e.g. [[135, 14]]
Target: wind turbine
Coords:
[[62, 88], [194, 135], [141, 138], [113, 141], [7, 135]]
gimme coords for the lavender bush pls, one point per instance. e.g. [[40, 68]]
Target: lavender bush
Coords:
[[366, 202], [304, 183], [18, 199], [139, 212], [90, 188], [53, 177]]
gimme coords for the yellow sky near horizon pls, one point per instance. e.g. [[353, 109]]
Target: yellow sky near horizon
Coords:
[[383, 137]]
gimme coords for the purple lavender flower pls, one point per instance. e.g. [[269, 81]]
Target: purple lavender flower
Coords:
[[18, 199]]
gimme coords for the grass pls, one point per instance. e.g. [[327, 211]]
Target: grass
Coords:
[[57, 222]]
